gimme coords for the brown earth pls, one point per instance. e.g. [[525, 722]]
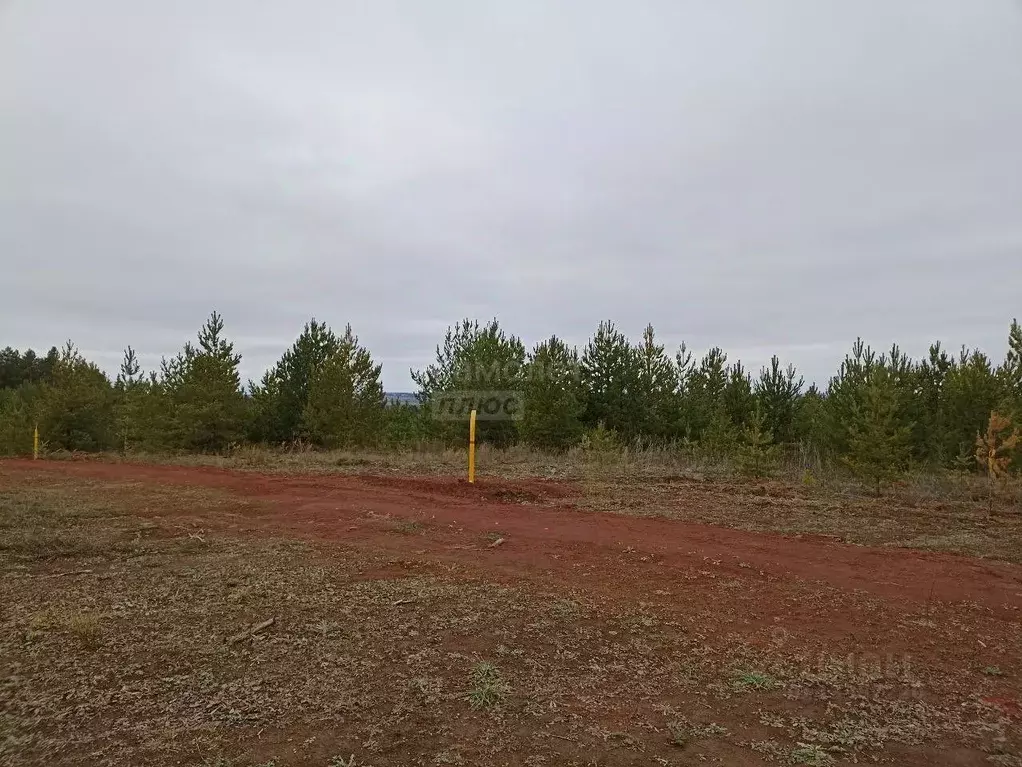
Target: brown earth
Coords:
[[547, 532], [802, 595]]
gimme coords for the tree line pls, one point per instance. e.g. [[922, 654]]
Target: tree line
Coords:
[[879, 414]]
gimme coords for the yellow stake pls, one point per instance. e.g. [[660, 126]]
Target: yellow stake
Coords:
[[35, 444], [472, 447]]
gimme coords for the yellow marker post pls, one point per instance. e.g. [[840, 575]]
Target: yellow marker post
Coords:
[[472, 447], [35, 444]]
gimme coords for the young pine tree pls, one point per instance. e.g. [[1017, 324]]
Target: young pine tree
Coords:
[[129, 394], [719, 436], [972, 389], [778, 391], [473, 359], [757, 451], [739, 398], [551, 417], [704, 403], [16, 422], [994, 449], [845, 396], [658, 388], [1011, 374], [878, 443], [810, 431], [77, 406], [403, 425], [279, 400], [684, 367], [345, 402], [931, 433], [204, 391], [610, 377], [1012, 368]]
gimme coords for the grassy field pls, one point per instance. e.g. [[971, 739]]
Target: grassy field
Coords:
[[137, 630]]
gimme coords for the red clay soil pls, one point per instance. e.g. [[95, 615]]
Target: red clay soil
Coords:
[[843, 596], [541, 525]]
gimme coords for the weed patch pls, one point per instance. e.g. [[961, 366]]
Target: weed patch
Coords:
[[488, 688]]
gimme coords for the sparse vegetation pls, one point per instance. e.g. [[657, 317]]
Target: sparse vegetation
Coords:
[[488, 688], [565, 609], [85, 628], [683, 732], [754, 680], [408, 527], [812, 755]]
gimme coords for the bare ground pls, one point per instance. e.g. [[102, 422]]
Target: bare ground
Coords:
[[424, 621]]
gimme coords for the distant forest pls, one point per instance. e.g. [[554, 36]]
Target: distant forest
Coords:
[[880, 414]]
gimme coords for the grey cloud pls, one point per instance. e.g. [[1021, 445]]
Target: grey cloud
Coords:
[[766, 177]]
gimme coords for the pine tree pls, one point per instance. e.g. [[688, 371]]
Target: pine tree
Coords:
[[129, 392], [970, 391], [930, 437], [77, 406], [280, 398], [403, 425], [739, 400], [10, 368], [658, 388], [1011, 377], [905, 375], [1013, 363], [552, 412], [810, 430], [16, 422], [599, 442], [344, 405], [17, 369], [719, 436], [43, 369], [684, 366], [23, 381], [705, 406], [474, 361], [777, 392], [994, 449], [757, 451], [845, 396], [264, 424], [878, 446], [204, 390], [610, 376]]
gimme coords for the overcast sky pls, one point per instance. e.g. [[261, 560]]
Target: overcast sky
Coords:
[[764, 176]]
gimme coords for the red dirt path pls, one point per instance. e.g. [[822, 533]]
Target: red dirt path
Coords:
[[546, 532], [834, 595]]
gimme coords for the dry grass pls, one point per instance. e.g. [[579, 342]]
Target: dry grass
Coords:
[[940, 512], [960, 525], [116, 651], [580, 465]]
